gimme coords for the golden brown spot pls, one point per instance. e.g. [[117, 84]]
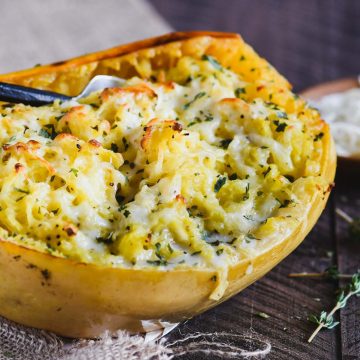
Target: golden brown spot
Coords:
[[148, 238], [70, 230], [150, 125], [177, 127], [137, 89], [19, 167], [95, 143], [180, 198], [63, 136]]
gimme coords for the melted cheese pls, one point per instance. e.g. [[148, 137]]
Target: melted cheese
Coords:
[[191, 172]]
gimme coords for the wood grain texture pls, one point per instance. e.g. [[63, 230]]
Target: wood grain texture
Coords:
[[348, 258], [309, 42]]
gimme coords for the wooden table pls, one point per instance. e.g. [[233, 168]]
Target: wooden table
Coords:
[[309, 42]]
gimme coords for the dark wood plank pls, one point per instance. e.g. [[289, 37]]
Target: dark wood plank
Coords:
[[287, 301], [348, 200], [307, 41]]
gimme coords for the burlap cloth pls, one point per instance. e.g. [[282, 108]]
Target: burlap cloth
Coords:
[[44, 31]]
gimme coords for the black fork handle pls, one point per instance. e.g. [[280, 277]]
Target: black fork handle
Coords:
[[28, 96]]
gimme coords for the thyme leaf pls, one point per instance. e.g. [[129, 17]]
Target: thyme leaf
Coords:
[[326, 320]]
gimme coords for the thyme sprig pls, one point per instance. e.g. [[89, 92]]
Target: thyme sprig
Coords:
[[354, 224], [331, 272], [326, 320]]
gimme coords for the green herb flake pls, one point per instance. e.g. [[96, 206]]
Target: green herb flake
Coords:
[[285, 203], [22, 191], [219, 183], [114, 148], [197, 97], [125, 143], [290, 178], [250, 236], [266, 171], [171, 250], [157, 262], [239, 91], [281, 115], [196, 253], [118, 197], [280, 126], [44, 134], [74, 171], [224, 144], [246, 195], [318, 136], [52, 130], [108, 239], [212, 61]]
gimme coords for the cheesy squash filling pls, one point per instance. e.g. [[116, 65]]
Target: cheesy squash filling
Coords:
[[197, 169]]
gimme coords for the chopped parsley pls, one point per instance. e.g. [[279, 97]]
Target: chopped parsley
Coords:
[[318, 136], [108, 239], [249, 217], [197, 96], [125, 143], [171, 250], [114, 147], [118, 197], [22, 191], [239, 91], [219, 183], [212, 61], [157, 262], [285, 203], [44, 134], [50, 133], [290, 178], [280, 126], [74, 171], [281, 115], [196, 253], [225, 143], [249, 237], [208, 117], [266, 171], [246, 195]]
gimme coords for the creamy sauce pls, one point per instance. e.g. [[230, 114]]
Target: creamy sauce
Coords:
[[342, 112]]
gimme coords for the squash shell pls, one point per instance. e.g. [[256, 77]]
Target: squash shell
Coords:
[[82, 300]]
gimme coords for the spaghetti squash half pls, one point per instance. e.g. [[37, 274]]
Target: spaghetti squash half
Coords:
[[158, 199]]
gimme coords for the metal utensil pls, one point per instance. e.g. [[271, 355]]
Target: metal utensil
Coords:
[[35, 97]]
